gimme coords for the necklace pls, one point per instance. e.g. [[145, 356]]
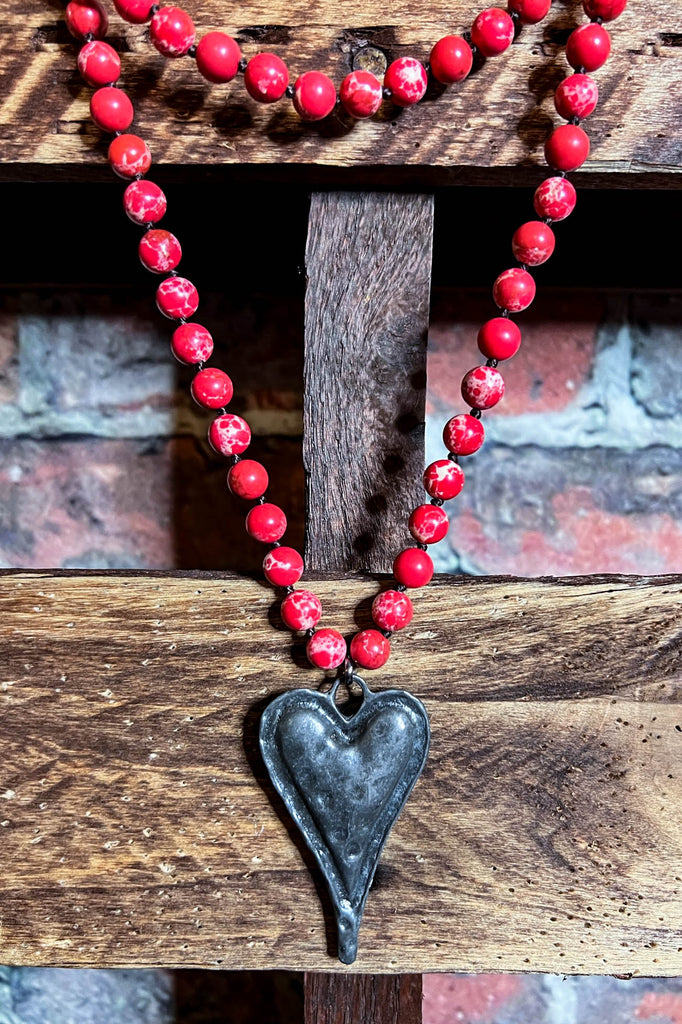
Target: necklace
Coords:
[[343, 778]]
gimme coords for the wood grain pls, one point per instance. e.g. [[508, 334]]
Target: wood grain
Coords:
[[138, 829], [491, 128], [375, 998]]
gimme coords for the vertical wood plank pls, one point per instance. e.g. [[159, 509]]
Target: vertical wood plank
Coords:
[[363, 998]]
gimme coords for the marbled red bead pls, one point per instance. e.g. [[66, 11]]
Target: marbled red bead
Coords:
[[499, 338], [159, 251], [177, 298], [212, 388], [248, 479], [266, 78], [129, 155], [576, 96], [283, 566], [86, 17], [428, 524], [607, 10], [191, 343], [533, 243], [530, 11], [266, 522], [407, 80], [567, 148], [555, 198], [361, 94], [482, 387], [588, 47], [111, 109], [413, 567], [144, 202], [218, 57], [98, 63], [326, 649], [514, 290], [301, 610], [172, 31], [135, 12], [229, 434], [314, 96], [370, 649], [463, 434], [451, 59], [443, 479], [392, 610], [492, 31]]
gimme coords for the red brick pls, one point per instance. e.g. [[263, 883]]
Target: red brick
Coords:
[[467, 999], [666, 1005]]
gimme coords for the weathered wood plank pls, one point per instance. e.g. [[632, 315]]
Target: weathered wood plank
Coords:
[[136, 821], [497, 120]]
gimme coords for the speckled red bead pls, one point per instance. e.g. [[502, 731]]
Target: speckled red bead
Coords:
[[229, 434], [392, 610], [301, 610], [555, 198], [283, 566], [86, 17], [533, 243], [443, 479], [111, 109], [177, 298], [567, 148], [314, 96], [98, 63], [129, 155], [212, 388], [218, 57], [266, 522], [499, 338], [428, 524], [326, 649], [266, 78], [248, 479], [191, 343], [136, 12], [370, 649], [144, 202], [172, 31], [159, 251], [492, 31], [576, 96], [588, 47], [407, 80], [607, 10], [413, 567], [451, 59], [530, 11], [463, 434], [482, 387], [360, 94], [514, 290]]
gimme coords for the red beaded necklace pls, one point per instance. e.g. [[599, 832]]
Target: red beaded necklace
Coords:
[[314, 96]]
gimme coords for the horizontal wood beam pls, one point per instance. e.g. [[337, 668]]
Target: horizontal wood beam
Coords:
[[493, 124], [137, 825]]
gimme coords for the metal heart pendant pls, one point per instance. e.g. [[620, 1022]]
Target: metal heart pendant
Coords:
[[345, 780]]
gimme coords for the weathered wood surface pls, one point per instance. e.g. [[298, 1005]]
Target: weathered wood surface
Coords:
[[368, 261], [477, 132], [137, 825], [371, 999]]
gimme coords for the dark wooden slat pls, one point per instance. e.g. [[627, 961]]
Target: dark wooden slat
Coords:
[[371, 999]]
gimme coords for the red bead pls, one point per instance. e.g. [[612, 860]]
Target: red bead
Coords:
[[588, 47], [229, 434], [191, 343], [492, 31], [136, 12], [370, 649], [463, 434], [451, 59], [443, 479], [172, 31], [218, 57], [555, 198], [129, 155], [499, 338], [159, 251], [301, 610], [392, 610], [413, 567], [266, 522], [314, 96], [530, 11], [361, 94], [248, 479], [326, 649], [482, 387], [144, 202], [428, 524], [177, 298], [282, 566], [98, 63], [514, 290], [266, 78], [576, 96], [212, 388], [86, 17], [111, 109], [567, 148], [532, 244], [607, 10], [407, 80]]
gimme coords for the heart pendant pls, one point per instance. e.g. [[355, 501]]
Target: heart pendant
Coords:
[[345, 780]]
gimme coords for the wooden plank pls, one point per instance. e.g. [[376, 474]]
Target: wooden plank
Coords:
[[492, 127], [347, 999], [137, 826]]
